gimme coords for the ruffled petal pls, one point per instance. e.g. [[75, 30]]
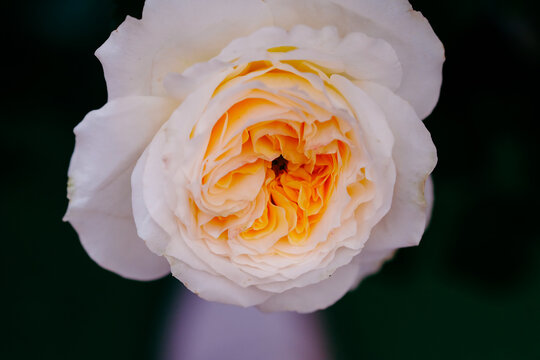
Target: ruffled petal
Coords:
[[108, 143], [216, 287], [326, 292], [167, 240], [170, 37], [356, 54], [420, 52], [317, 296], [415, 157]]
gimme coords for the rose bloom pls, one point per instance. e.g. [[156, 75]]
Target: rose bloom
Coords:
[[267, 153]]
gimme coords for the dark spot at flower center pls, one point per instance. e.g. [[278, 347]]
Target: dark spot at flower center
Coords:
[[279, 165]]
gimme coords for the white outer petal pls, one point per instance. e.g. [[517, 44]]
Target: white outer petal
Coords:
[[171, 36], [320, 295], [154, 235], [419, 50], [216, 287], [415, 157], [108, 143]]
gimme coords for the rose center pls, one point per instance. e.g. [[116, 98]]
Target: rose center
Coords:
[[279, 165], [272, 162]]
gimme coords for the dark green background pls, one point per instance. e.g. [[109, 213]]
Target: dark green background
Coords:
[[471, 290]]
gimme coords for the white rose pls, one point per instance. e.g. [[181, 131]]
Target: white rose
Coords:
[[267, 153]]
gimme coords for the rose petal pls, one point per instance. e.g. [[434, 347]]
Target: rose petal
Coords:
[[419, 50], [415, 157], [317, 296], [357, 54], [216, 287], [108, 143], [378, 139], [171, 36]]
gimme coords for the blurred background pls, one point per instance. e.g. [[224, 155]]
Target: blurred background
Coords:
[[471, 290]]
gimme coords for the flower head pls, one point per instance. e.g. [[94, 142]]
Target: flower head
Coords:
[[267, 153]]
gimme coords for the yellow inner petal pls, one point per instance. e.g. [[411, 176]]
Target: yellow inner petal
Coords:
[[285, 146]]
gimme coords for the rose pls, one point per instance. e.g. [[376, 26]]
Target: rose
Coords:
[[269, 153]]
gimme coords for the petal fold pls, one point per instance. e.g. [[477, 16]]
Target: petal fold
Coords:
[[415, 157], [172, 36], [108, 143], [420, 52]]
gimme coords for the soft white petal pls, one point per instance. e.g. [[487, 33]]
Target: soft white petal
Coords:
[[420, 52], [356, 54], [108, 143], [370, 59], [317, 296], [155, 236], [171, 36], [378, 138], [216, 287], [154, 195], [415, 157], [325, 293]]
